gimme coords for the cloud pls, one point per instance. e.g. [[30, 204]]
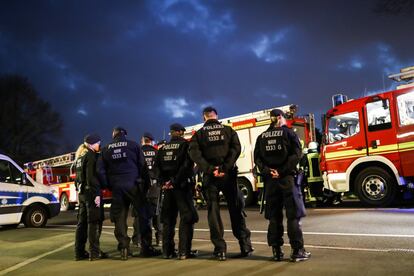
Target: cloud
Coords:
[[264, 47], [352, 65], [264, 92], [82, 111], [387, 60], [191, 16], [69, 77], [177, 107]]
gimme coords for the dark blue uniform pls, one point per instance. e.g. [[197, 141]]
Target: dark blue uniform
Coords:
[[216, 145], [90, 217], [153, 195], [122, 165], [279, 148], [174, 164]]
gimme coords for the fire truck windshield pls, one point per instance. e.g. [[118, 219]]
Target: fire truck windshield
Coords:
[[343, 126], [406, 108]]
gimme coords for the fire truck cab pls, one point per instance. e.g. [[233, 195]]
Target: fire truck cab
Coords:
[[369, 144], [56, 173]]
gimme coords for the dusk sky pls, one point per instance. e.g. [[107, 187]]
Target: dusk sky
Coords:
[[147, 64]]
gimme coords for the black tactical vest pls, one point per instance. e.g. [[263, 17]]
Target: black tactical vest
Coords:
[[171, 155], [214, 142], [149, 156], [273, 145], [121, 157]]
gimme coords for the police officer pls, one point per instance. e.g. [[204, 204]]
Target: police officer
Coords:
[[122, 165], [215, 149], [175, 170], [91, 213], [277, 152], [154, 192]]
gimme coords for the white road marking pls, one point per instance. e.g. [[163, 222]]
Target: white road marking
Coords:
[[385, 250], [306, 233], [34, 259]]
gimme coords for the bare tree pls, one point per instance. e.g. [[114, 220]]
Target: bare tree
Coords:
[[29, 128]]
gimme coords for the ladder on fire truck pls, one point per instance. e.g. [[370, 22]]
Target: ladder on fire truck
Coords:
[[57, 161], [258, 118], [406, 74]]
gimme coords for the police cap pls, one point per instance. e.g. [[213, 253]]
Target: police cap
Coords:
[[120, 129], [148, 135], [209, 109], [277, 112], [177, 127], [92, 139]]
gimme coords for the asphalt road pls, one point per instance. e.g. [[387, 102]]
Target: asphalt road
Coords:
[[343, 241]]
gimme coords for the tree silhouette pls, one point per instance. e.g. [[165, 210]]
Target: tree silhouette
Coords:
[[29, 128]]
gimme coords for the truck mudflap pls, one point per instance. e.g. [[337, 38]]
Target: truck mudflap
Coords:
[[54, 209]]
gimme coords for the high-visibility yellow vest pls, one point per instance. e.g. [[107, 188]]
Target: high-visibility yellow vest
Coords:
[[314, 170]]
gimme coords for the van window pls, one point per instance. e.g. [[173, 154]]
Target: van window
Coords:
[[378, 114], [343, 126], [9, 173], [406, 108]]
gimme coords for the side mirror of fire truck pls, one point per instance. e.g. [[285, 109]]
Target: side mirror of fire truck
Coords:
[[385, 104]]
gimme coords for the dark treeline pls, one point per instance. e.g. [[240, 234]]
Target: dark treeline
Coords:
[[29, 128]]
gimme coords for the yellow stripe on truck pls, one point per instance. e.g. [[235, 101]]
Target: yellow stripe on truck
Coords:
[[386, 149], [406, 146], [343, 153]]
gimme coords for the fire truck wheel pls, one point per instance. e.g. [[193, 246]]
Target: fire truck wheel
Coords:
[[64, 202], [375, 186], [246, 188], [35, 216]]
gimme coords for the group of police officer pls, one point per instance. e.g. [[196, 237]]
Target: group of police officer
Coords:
[[138, 176]]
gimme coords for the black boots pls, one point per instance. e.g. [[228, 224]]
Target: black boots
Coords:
[[190, 255], [220, 256], [299, 255], [81, 256], [124, 254], [149, 252], [100, 255], [277, 253]]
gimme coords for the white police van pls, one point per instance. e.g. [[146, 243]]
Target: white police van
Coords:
[[23, 200]]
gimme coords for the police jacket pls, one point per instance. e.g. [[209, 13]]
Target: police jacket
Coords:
[[92, 185], [215, 145], [80, 179], [277, 148], [121, 157], [150, 154], [173, 162]]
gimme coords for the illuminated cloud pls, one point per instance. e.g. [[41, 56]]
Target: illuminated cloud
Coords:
[[264, 47], [271, 94], [192, 16], [354, 64], [82, 111], [387, 59], [177, 107]]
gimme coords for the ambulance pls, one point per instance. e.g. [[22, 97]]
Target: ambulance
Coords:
[[369, 144], [23, 200]]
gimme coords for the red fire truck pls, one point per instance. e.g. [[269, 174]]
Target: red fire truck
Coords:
[[248, 127], [57, 172], [369, 144]]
